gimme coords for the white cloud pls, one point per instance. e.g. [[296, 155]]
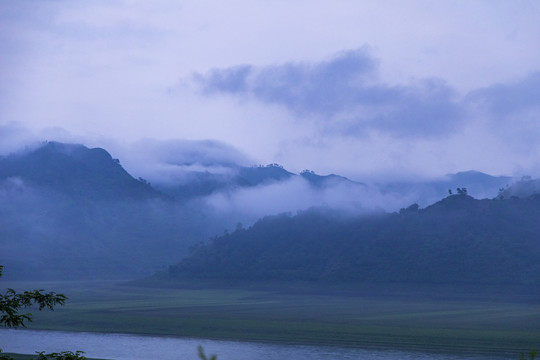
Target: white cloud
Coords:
[[344, 92], [296, 194], [103, 70]]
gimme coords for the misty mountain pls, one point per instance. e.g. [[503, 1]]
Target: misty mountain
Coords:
[[326, 180], [75, 170], [478, 185], [67, 211], [525, 187], [192, 170], [458, 240], [330, 190], [204, 183]]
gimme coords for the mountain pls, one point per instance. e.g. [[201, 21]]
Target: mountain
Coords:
[[70, 212], [458, 240], [80, 171], [525, 187], [199, 184], [478, 184], [258, 175], [326, 180], [75, 170], [204, 183]]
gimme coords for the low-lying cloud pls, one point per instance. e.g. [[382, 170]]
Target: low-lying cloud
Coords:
[[14, 137], [298, 194], [174, 161]]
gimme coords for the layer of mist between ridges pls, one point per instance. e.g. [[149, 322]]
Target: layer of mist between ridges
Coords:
[[74, 212]]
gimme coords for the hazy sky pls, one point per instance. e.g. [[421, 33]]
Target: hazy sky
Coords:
[[359, 88]]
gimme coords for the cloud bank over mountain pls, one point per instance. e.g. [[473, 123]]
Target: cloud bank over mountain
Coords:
[[416, 89], [342, 99], [173, 161]]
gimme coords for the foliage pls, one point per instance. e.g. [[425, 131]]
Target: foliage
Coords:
[[4, 356], [12, 302], [203, 356], [100, 223], [532, 355], [64, 355], [458, 240]]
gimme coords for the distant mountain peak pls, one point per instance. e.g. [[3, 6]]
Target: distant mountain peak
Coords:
[[76, 170], [325, 180]]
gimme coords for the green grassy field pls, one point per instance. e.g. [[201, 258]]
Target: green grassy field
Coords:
[[410, 322]]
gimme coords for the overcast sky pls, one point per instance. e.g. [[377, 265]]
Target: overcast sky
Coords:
[[358, 88]]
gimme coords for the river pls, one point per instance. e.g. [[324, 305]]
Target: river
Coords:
[[135, 347]]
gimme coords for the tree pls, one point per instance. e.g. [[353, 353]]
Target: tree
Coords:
[[11, 305], [532, 355], [203, 356], [12, 302]]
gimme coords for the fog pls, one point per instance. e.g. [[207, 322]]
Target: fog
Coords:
[[174, 161], [203, 189], [46, 234], [297, 194]]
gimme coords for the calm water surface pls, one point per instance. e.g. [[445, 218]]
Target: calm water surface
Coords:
[[134, 347]]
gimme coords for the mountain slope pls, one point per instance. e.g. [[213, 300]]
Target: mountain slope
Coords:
[[200, 184], [75, 170], [326, 180], [458, 240], [478, 185], [69, 212]]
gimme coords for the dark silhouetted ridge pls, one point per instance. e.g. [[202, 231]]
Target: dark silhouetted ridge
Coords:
[[75, 170], [458, 240], [257, 175], [325, 180]]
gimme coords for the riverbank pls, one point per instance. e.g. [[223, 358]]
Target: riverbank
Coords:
[[137, 347], [32, 356], [350, 320]]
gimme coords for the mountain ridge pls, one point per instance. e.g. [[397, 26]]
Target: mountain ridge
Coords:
[[76, 170], [65, 206], [458, 240]]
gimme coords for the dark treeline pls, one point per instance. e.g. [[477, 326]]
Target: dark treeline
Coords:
[[75, 170], [68, 211], [458, 240]]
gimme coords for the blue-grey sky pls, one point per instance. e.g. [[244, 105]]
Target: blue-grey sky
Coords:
[[359, 88]]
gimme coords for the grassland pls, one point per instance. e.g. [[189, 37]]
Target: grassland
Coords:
[[306, 317]]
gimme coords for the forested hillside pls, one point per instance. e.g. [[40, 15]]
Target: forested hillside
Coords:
[[69, 211], [458, 240], [74, 170]]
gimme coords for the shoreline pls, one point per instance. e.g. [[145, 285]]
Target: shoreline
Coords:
[[502, 352], [418, 349], [276, 316]]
